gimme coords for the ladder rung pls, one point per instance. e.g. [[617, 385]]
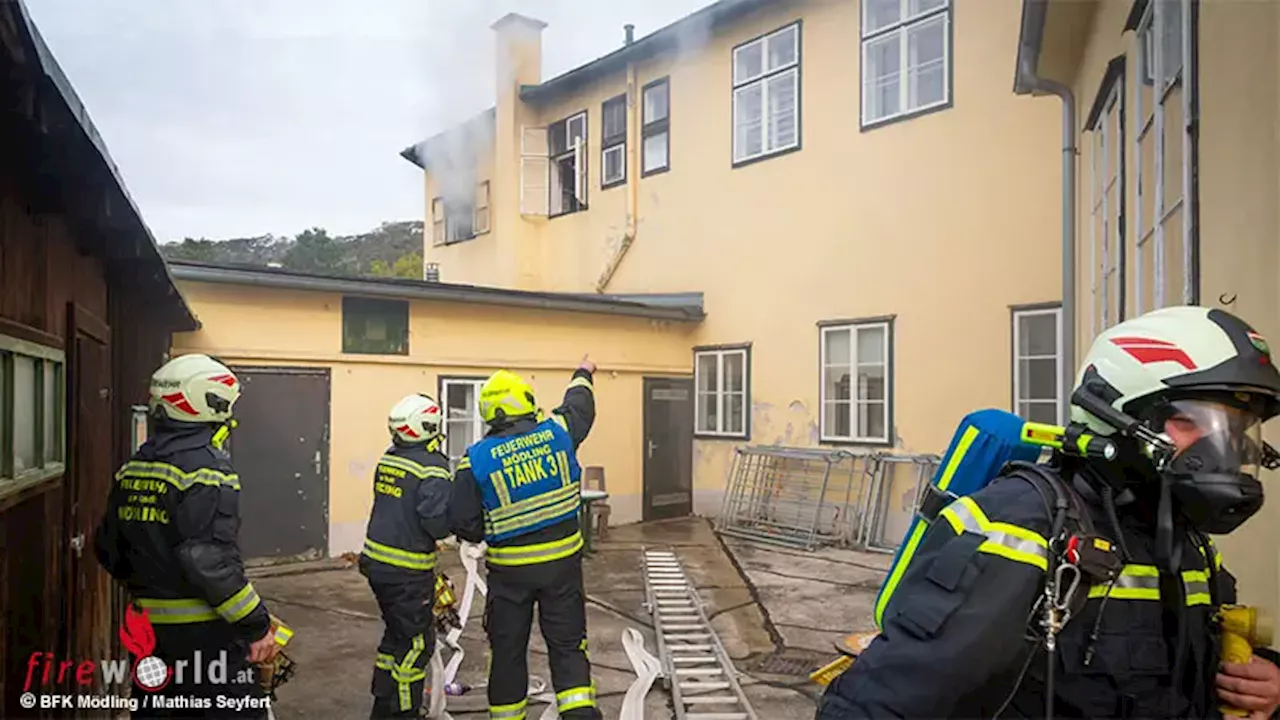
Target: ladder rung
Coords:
[[689, 648], [695, 659], [699, 671], [715, 716], [686, 636], [711, 700], [695, 687]]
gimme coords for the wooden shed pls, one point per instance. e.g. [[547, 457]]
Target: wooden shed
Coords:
[[87, 311]]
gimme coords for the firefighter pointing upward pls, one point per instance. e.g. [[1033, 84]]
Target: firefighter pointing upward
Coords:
[[410, 512], [517, 489], [169, 534]]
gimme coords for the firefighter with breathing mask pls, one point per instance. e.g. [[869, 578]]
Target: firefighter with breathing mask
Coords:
[[1183, 393], [169, 535], [411, 488], [518, 490]]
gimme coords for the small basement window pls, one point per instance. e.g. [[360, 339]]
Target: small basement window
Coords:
[[375, 326]]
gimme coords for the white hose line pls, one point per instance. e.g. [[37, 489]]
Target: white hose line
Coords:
[[647, 669], [444, 673]]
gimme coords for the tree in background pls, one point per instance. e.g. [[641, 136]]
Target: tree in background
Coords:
[[406, 266]]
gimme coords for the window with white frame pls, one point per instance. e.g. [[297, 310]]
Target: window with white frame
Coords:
[[567, 145], [454, 220], [613, 142], [1163, 218], [855, 392], [905, 57], [462, 424], [722, 379], [1037, 365], [1106, 215], [655, 127], [766, 95], [32, 412]]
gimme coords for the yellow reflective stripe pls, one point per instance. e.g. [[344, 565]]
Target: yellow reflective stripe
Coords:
[[384, 661], [500, 487], [582, 383], [399, 558], [176, 611], [567, 505], [1217, 556], [917, 533], [1142, 582], [236, 607], [283, 635], [464, 462], [535, 503], [406, 674], [562, 458], [165, 472], [437, 472], [561, 421], [409, 466], [514, 711], [578, 697], [1008, 541], [534, 554]]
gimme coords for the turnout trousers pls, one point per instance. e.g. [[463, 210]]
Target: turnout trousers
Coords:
[[214, 670], [405, 598], [556, 589]]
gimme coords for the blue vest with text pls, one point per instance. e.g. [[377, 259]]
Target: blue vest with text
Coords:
[[528, 482]]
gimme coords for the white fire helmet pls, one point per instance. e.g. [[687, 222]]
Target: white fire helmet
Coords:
[[415, 419], [196, 389], [1171, 353]]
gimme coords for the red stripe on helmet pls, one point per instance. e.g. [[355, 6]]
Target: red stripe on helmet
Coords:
[[1149, 350], [407, 431], [228, 380], [180, 401]]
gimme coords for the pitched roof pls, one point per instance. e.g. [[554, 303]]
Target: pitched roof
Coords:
[[681, 307]]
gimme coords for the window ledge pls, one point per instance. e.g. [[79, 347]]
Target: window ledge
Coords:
[[909, 115], [856, 442], [697, 435], [29, 484], [766, 156]]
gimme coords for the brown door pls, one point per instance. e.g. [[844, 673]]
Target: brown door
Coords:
[[88, 589], [668, 447], [280, 450]]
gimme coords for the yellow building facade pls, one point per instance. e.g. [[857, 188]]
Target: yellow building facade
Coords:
[[871, 216]]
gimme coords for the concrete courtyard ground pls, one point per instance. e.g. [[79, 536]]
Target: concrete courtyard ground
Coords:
[[776, 610]]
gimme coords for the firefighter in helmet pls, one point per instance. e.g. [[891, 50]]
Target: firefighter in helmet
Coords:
[[411, 488], [518, 490], [169, 535], [1183, 393]]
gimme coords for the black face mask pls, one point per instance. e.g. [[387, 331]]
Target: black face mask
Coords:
[[1210, 488]]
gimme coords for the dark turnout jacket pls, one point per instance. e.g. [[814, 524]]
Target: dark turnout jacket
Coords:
[[410, 504], [955, 637], [169, 532]]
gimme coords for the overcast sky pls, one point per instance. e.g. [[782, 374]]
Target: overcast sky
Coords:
[[231, 118]]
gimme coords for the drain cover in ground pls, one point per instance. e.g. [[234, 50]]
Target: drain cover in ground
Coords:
[[790, 665]]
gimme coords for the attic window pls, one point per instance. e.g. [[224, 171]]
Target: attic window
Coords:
[[613, 142]]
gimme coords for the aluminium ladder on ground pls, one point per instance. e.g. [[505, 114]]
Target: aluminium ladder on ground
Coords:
[[695, 667]]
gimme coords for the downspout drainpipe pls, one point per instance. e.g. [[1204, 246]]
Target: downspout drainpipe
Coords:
[[633, 178], [1069, 151]]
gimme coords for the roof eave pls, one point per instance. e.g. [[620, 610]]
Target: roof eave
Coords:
[[411, 154], [185, 319], [443, 292]]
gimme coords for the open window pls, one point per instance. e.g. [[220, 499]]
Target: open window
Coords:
[[535, 191], [481, 223], [567, 142]]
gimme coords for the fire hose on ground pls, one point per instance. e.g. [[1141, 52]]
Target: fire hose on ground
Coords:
[[443, 675]]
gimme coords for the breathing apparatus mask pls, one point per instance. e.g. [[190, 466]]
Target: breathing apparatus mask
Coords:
[[1209, 455]]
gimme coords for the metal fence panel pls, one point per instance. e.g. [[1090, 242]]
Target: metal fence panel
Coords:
[[811, 497]]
